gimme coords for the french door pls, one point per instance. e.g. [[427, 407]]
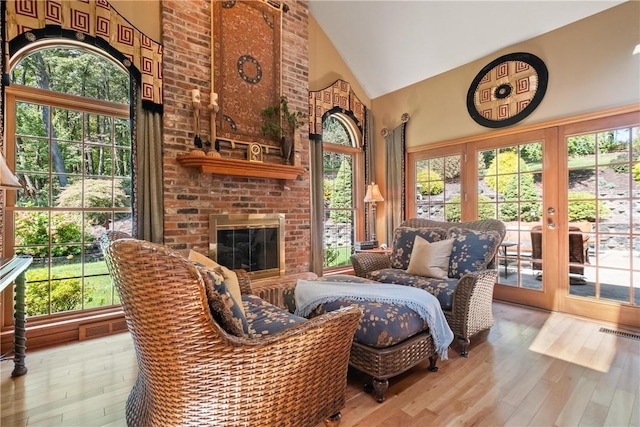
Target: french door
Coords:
[[569, 195]]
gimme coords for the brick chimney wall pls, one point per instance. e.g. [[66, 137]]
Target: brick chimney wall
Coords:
[[190, 197]]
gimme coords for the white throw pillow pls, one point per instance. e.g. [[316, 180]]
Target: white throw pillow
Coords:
[[230, 277], [430, 259]]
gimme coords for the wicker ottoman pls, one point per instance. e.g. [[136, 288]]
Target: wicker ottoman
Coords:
[[381, 349]]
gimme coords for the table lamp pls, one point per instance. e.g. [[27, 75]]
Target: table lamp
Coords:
[[372, 197], [8, 179]]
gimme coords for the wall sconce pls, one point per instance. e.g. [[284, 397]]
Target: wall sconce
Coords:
[[8, 179], [372, 197]]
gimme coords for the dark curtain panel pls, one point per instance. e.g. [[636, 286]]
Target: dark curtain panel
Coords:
[[148, 172], [394, 199]]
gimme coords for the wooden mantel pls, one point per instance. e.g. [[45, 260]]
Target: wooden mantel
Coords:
[[226, 166]]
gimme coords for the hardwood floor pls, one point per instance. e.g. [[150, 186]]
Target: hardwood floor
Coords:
[[532, 369]]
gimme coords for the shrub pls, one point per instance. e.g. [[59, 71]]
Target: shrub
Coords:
[[450, 165], [431, 183], [636, 172], [96, 193], [529, 209], [505, 163], [32, 231], [582, 207], [66, 294], [486, 208]]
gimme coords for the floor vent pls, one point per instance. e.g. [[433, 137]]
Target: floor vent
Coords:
[[621, 334], [101, 329]]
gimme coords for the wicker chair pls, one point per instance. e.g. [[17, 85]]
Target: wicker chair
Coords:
[[471, 309], [193, 373]]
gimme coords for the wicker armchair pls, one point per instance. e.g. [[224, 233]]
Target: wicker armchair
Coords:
[[192, 372], [471, 308]]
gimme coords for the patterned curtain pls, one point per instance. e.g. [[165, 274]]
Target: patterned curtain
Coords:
[[394, 199], [92, 22]]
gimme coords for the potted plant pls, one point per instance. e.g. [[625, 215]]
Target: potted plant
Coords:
[[280, 124]]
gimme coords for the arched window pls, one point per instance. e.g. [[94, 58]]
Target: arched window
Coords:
[[69, 137], [342, 177]]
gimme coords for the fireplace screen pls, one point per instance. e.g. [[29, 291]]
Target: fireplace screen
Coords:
[[252, 242]]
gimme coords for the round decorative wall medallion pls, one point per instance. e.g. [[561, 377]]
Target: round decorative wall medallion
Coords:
[[249, 69], [507, 90]]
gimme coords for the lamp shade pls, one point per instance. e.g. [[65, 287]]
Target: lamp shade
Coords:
[[7, 178], [373, 194]]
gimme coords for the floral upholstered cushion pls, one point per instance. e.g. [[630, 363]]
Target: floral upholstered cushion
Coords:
[[264, 318], [442, 289], [226, 311], [382, 324], [403, 240], [472, 250], [230, 277]]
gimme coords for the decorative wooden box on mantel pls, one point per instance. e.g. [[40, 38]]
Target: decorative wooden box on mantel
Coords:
[[228, 166]]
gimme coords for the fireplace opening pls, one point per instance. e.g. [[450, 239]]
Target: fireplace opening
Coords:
[[252, 242]]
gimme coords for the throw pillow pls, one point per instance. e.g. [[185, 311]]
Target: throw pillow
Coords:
[[472, 250], [403, 239], [430, 259], [224, 308], [230, 277]]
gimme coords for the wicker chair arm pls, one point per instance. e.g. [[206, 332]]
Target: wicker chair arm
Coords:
[[472, 298], [244, 281], [366, 262]]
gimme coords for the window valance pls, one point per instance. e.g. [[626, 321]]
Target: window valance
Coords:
[[90, 21], [338, 96]]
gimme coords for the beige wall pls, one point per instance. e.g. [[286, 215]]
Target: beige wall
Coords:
[[326, 65], [591, 67]]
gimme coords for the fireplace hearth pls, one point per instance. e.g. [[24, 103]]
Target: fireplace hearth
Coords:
[[252, 242]]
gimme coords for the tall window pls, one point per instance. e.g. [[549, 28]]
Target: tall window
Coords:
[[341, 164], [68, 112]]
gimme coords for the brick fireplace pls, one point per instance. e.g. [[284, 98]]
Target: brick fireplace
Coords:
[[190, 197]]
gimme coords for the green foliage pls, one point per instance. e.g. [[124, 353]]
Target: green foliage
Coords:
[[582, 207], [334, 131], [342, 195], [32, 232], [431, 183], [486, 208], [330, 257], [507, 163], [95, 193], [278, 120], [581, 145], [448, 167], [636, 171], [327, 185], [66, 294], [74, 71], [529, 209]]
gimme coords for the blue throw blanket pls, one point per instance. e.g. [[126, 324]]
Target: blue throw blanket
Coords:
[[309, 294]]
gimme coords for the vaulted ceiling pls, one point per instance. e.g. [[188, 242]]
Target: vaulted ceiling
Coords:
[[389, 44]]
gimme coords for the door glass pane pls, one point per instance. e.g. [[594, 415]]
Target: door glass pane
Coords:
[[510, 189], [438, 188], [603, 205]]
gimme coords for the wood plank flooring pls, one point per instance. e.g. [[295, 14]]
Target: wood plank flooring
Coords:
[[532, 369]]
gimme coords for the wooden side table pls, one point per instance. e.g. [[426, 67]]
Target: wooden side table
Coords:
[[13, 271]]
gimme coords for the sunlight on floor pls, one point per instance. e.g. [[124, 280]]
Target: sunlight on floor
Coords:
[[563, 338]]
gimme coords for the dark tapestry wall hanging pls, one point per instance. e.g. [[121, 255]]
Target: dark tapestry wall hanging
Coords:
[[247, 41]]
